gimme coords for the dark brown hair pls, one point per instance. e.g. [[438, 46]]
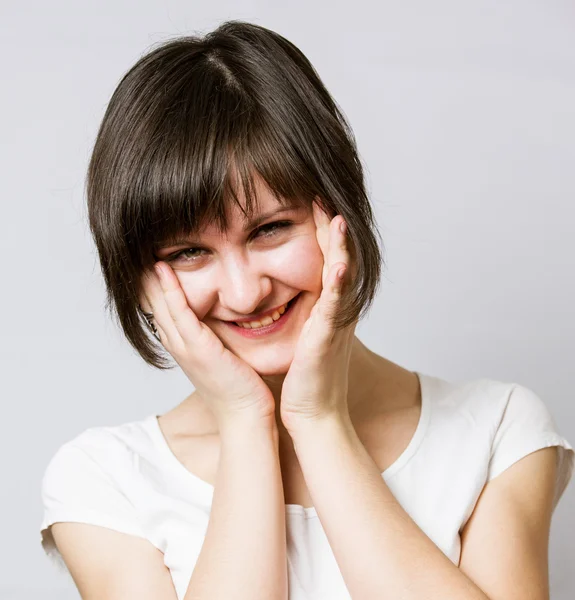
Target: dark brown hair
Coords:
[[239, 99]]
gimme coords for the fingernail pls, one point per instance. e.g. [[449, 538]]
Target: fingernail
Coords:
[[343, 227], [159, 270]]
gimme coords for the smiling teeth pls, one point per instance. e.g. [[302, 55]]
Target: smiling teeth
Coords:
[[266, 320]]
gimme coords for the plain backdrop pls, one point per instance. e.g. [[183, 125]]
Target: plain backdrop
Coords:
[[464, 118]]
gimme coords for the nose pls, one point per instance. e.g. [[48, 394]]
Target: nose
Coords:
[[243, 286]]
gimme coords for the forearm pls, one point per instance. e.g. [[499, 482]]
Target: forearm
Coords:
[[244, 553], [380, 550]]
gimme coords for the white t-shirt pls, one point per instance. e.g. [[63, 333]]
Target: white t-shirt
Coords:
[[125, 477]]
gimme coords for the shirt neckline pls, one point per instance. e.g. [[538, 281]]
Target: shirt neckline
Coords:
[[207, 489]]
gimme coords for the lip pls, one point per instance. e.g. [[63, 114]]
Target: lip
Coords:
[[263, 315], [268, 329]]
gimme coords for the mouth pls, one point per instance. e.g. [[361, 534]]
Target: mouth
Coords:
[[272, 327]]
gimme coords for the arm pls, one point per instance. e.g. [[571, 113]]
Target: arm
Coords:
[[244, 553], [380, 550]]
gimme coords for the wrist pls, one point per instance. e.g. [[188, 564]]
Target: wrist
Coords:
[[247, 426], [302, 427]]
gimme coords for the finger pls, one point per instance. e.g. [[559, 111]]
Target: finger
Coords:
[[339, 252], [322, 221], [322, 230], [180, 318], [149, 320], [157, 312], [328, 305]]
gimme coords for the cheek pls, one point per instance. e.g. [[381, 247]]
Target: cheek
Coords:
[[298, 264], [199, 292]]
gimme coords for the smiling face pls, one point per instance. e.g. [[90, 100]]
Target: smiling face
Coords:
[[251, 269]]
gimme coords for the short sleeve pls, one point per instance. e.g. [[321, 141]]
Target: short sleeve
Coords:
[[75, 488], [527, 425]]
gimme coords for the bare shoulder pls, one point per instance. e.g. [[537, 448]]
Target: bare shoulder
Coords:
[[388, 421], [189, 418], [191, 433], [395, 393]]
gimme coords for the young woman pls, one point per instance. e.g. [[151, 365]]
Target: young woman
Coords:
[[226, 198]]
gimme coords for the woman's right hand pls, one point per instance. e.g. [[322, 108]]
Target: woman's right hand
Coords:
[[230, 387]]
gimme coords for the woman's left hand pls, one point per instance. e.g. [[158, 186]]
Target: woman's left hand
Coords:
[[316, 383]]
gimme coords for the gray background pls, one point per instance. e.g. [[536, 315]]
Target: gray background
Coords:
[[463, 113]]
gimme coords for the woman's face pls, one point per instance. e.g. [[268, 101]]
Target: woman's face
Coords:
[[249, 270]]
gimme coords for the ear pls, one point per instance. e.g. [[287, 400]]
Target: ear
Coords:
[[145, 286]]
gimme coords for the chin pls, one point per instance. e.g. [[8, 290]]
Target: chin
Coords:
[[267, 359], [273, 361]]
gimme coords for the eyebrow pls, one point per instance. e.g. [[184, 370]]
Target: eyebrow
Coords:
[[265, 216], [247, 226]]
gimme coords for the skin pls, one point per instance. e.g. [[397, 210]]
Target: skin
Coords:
[[234, 277]]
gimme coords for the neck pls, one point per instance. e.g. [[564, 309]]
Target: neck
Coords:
[[365, 370], [361, 380]]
